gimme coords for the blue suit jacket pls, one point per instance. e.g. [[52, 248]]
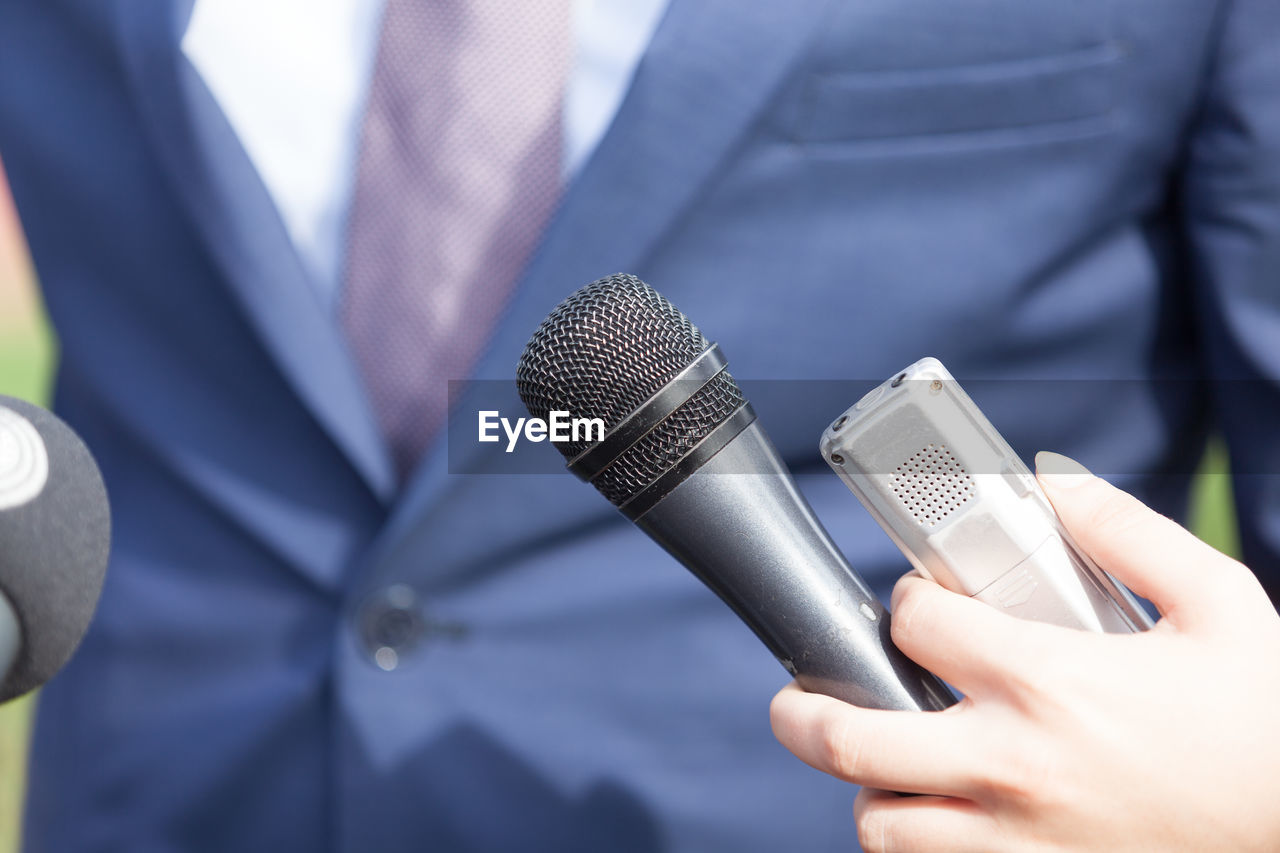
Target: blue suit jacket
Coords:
[[1033, 191]]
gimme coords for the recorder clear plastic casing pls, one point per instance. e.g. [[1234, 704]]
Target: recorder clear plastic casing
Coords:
[[963, 507]]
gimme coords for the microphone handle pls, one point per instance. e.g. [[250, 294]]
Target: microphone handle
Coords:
[[742, 527]]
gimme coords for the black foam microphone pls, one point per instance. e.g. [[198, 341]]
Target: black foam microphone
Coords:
[[684, 457], [55, 535]]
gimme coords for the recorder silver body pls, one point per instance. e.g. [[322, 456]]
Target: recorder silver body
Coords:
[[964, 509]]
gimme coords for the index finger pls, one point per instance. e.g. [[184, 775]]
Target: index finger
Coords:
[[1189, 582]]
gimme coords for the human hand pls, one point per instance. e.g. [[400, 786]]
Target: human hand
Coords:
[[1068, 740]]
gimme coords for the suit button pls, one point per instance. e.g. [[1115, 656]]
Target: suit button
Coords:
[[391, 625]]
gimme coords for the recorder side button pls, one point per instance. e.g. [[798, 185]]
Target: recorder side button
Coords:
[[1021, 483], [1013, 589], [869, 399]]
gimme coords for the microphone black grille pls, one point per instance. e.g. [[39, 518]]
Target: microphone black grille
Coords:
[[606, 350], [671, 440]]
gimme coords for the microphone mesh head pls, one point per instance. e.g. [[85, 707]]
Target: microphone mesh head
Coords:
[[54, 545], [602, 353]]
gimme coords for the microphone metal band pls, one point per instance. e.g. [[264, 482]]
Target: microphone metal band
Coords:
[[646, 498], [590, 462]]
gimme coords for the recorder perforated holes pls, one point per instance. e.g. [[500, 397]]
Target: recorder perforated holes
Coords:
[[931, 484]]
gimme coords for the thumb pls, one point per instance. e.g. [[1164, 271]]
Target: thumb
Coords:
[[1188, 581]]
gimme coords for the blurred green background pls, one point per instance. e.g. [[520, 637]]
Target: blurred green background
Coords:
[[27, 358], [27, 354]]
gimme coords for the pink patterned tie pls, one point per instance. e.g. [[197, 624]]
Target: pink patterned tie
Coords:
[[458, 173]]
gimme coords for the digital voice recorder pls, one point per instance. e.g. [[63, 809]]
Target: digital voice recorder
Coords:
[[964, 509]]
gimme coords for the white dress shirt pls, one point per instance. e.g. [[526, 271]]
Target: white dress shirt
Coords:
[[291, 77]]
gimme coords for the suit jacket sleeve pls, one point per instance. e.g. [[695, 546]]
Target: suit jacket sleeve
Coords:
[[1231, 209]]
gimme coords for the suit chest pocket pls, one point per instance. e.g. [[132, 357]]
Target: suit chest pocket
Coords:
[[957, 71]]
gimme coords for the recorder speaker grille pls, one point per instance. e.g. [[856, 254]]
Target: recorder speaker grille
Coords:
[[932, 484]]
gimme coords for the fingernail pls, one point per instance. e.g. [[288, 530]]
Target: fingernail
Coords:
[[895, 595], [897, 588], [1060, 472]]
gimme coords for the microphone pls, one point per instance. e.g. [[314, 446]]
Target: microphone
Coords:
[[684, 458], [55, 534]]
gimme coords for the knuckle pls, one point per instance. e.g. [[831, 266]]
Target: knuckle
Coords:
[[843, 751], [1027, 684], [873, 829], [1029, 779], [1036, 670]]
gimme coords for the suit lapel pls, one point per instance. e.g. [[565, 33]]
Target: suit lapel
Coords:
[[235, 215], [710, 70]]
